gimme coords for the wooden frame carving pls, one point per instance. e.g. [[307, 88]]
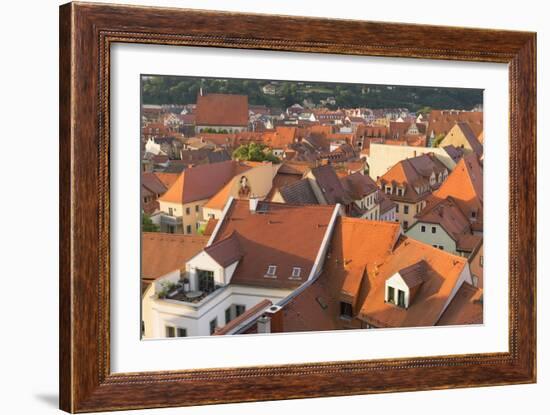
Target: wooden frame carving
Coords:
[[86, 33]]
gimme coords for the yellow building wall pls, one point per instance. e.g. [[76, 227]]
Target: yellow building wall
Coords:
[[180, 210]]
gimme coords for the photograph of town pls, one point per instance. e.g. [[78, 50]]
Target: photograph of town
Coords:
[[293, 206]]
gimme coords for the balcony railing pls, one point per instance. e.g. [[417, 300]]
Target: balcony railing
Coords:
[[166, 219]]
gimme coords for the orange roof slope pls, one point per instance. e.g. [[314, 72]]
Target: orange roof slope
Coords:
[[280, 138], [167, 178], [441, 276], [219, 200], [162, 253], [277, 234], [411, 173], [465, 186], [465, 308], [356, 244], [222, 110], [202, 182], [441, 121]]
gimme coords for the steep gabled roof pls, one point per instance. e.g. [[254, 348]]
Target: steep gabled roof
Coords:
[[356, 245], [277, 234], [202, 182], [225, 251], [330, 185], [441, 121], [465, 186], [464, 129], [442, 272], [447, 214], [358, 185], [167, 179], [411, 173], [222, 110], [152, 183], [413, 275]]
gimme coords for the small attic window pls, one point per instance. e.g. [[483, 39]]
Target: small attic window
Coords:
[[296, 271], [271, 271]]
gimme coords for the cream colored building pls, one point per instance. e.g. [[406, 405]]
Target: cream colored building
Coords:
[[182, 206], [383, 157], [462, 136], [255, 182]]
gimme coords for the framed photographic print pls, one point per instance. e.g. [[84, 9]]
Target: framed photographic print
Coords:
[[260, 207]]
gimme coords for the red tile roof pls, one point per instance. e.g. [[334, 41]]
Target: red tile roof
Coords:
[[356, 244], [358, 185], [222, 110], [465, 186], [441, 121], [202, 182], [162, 253], [277, 234], [152, 183], [414, 274], [225, 251], [442, 274], [465, 308], [330, 185], [411, 173], [167, 179]]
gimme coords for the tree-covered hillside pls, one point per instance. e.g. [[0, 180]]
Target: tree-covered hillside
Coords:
[[184, 90]]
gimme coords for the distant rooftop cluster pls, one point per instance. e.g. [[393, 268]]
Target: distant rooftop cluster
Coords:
[[308, 218]]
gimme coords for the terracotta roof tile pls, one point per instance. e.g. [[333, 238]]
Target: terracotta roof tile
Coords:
[[167, 179], [277, 234], [441, 276], [162, 253], [152, 183], [202, 182], [225, 251], [222, 110], [330, 185], [465, 186], [299, 193], [465, 308], [358, 185]]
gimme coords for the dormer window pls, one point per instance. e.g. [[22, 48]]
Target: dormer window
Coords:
[[401, 298], [391, 295], [346, 310], [271, 271], [388, 190]]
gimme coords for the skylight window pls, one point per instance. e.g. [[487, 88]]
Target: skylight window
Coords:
[[271, 271]]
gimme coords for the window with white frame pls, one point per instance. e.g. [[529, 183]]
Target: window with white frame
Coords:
[[296, 271], [271, 271]]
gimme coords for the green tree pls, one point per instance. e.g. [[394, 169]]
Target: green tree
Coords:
[[255, 152], [147, 224]]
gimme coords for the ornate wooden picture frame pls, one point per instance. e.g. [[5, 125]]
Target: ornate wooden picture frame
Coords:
[[87, 32]]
